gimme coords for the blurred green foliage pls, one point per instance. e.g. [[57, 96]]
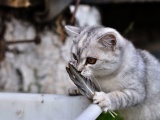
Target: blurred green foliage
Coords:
[[108, 116]]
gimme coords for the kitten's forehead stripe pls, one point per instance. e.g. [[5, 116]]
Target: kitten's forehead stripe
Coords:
[[87, 34], [78, 53]]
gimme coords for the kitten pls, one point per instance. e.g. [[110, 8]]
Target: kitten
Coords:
[[129, 77]]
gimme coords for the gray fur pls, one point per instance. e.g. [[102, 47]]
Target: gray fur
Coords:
[[129, 77]]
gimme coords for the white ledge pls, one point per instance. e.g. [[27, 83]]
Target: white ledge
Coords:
[[15, 106]]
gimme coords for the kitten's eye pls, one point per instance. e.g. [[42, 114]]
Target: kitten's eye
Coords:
[[74, 56], [91, 60]]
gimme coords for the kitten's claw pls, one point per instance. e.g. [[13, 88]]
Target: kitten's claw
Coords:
[[105, 110], [103, 100], [73, 91]]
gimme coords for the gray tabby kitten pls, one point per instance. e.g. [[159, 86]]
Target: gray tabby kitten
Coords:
[[129, 77]]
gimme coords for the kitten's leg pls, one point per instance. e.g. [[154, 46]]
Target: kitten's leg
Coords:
[[73, 91], [118, 99]]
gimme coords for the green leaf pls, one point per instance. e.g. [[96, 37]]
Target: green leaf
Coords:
[[108, 116]]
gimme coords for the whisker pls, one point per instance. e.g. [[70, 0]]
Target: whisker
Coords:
[[111, 114]]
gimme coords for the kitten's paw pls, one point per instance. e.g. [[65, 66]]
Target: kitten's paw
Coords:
[[103, 100], [73, 91]]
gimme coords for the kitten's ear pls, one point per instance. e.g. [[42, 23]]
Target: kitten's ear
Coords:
[[108, 41], [72, 31]]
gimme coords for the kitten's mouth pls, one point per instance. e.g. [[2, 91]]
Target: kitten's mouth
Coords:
[[86, 86], [86, 75]]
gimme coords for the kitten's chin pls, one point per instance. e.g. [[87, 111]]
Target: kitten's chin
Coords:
[[86, 75]]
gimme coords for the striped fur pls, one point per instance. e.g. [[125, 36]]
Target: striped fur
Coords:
[[129, 77]]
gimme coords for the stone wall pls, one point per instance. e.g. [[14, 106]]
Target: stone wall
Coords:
[[39, 68]]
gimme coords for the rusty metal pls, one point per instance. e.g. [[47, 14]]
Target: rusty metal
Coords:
[[46, 11], [37, 40], [52, 8], [2, 50], [4, 46], [75, 10], [20, 3], [2, 41], [22, 41]]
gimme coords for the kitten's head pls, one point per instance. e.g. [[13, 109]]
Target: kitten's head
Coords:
[[96, 50]]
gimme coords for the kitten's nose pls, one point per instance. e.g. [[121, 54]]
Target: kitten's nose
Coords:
[[80, 68]]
